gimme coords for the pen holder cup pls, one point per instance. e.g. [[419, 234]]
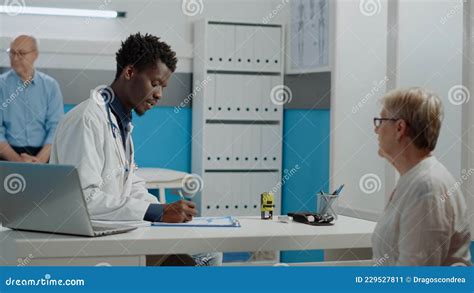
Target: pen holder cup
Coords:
[[325, 202]]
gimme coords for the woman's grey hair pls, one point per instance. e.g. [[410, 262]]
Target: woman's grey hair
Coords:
[[421, 109]]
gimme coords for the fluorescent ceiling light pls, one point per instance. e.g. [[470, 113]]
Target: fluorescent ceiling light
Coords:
[[16, 10]]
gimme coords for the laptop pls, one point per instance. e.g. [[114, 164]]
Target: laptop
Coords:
[[47, 198]]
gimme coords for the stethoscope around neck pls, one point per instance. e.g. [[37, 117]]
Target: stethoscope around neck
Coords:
[[114, 128]]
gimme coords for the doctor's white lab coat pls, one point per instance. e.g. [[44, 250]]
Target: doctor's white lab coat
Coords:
[[85, 140]]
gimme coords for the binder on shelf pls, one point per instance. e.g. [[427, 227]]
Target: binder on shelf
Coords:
[[212, 186], [210, 96], [223, 193], [237, 195], [233, 142], [221, 95], [276, 110], [264, 97], [206, 196], [246, 193], [211, 42], [220, 141], [228, 96], [236, 92], [236, 205], [228, 45], [274, 53], [254, 142], [237, 146], [226, 193], [275, 141], [260, 45], [247, 90], [246, 152], [256, 190], [209, 152], [263, 85], [227, 144], [220, 46], [244, 47], [252, 91], [265, 146]]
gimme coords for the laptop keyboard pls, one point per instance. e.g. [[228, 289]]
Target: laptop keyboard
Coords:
[[102, 228], [108, 230]]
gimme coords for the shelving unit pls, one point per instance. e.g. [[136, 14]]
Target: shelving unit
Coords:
[[237, 129]]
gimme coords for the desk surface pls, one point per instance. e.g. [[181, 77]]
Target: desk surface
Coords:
[[254, 235]]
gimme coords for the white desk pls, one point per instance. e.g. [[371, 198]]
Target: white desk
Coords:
[[161, 179], [131, 248]]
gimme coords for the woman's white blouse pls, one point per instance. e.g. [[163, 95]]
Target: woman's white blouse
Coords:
[[425, 222]]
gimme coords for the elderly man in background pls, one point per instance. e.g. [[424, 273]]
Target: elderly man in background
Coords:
[[31, 106]]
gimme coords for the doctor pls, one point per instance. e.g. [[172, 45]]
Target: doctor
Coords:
[[96, 137]]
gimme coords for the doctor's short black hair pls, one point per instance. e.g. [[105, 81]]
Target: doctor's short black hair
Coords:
[[143, 51]]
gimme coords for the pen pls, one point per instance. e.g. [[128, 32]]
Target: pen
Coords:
[[339, 189]]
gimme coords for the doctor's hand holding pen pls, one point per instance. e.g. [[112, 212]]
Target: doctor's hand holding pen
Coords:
[[179, 211]]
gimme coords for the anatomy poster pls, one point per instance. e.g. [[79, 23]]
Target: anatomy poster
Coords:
[[309, 36]]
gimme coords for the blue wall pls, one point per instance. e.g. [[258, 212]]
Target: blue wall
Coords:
[[306, 143], [162, 138]]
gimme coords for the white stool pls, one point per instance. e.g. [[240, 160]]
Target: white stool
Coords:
[[161, 179]]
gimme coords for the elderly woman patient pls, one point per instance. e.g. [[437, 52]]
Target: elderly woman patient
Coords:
[[425, 221]]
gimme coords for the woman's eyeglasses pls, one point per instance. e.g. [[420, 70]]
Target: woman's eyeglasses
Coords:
[[378, 121]]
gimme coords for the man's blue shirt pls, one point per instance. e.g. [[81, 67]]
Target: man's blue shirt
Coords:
[[29, 110]]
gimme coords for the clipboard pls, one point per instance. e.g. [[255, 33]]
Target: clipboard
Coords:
[[228, 221]]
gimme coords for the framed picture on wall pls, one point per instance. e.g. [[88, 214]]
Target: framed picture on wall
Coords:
[[309, 36]]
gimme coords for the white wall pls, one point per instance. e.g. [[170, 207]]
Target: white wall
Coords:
[[359, 79], [71, 42], [431, 56], [424, 48], [468, 112]]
